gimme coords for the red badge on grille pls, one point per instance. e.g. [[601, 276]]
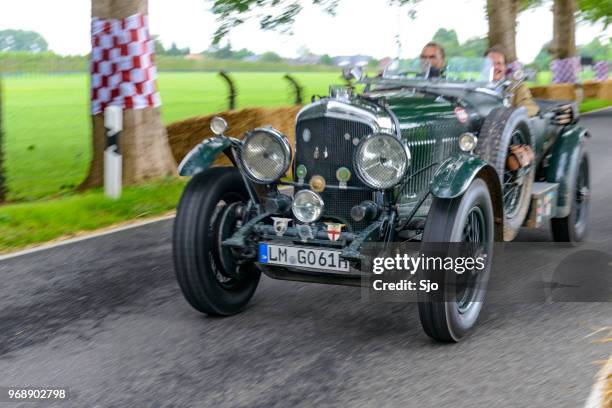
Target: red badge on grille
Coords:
[[334, 231], [461, 114]]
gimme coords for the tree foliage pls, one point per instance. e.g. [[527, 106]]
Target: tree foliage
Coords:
[[447, 39], [173, 51], [473, 47], [596, 49], [326, 60], [271, 14], [542, 60], [596, 10], [20, 40], [270, 57]]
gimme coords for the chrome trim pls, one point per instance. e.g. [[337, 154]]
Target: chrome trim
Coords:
[[223, 122], [438, 86], [354, 110], [489, 91], [285, 145]]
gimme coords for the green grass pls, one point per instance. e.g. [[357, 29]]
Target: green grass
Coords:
[[47, 148], [594, 104], [48, 62], [47, 122], [25, 224]]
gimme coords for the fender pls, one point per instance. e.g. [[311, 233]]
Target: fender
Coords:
[[203, 155], [455, 175], [562, 164]]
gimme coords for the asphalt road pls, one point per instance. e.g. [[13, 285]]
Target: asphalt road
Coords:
[[105, 318]]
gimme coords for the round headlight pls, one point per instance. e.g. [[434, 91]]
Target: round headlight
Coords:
[[307, 206], [265, 155], [381, 161], [218, 125], [467, 142]]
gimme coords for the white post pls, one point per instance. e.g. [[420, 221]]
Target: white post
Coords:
[[113, 122]]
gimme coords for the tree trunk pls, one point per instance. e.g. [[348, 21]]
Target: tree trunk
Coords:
[[564, 29], [143, 141], [502, 15]]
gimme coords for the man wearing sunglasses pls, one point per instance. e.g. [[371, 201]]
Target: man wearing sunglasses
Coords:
[[433, 56]]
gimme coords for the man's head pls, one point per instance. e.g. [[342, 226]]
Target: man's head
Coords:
[[434, 54], [498, 59]]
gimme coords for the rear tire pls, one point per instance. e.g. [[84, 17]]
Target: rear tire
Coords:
[[207, 274], [574, 227], [501, 129], [447, 315]]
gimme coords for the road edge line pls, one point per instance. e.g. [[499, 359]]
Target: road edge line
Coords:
[[596, 110], [85, 236]]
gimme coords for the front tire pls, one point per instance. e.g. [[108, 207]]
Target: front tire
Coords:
[[449, 314], [210, 279]]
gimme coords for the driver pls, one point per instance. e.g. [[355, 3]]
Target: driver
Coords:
[[522, 95], [433, 53]]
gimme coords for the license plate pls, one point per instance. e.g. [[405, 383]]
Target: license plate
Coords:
[[302, 257]]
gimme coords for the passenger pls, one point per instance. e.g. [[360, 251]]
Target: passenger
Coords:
[[433, 53], [522, 95]]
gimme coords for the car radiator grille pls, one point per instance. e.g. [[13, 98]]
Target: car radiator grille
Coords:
[[428, 144], [330, 134]]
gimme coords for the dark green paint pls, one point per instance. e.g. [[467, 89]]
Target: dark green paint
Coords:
[[412, 111], [455, 175], [203, 155], [563, 165]]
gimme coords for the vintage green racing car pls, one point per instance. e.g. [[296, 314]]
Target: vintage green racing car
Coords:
[[405, 158]]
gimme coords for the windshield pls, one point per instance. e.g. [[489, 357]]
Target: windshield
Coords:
[[457, 69]]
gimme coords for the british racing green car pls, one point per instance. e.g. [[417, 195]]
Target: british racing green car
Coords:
[[408, 158]]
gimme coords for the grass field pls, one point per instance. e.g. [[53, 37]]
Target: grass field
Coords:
[[25, 224], [47, 147], [47, 141]]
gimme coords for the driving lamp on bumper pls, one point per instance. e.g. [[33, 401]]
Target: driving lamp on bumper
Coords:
[[265, 155], [307, 206], [381, 161]]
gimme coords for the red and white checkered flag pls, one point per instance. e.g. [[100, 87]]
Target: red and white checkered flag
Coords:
[[602, 70], [122, 70], [565, 70]]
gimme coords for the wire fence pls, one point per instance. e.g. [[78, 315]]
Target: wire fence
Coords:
[[45, 116], [47, 120]]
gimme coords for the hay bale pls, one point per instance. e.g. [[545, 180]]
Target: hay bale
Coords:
[[605, 90], [538, 92], [556, 91], [185, 134], [591, 89]]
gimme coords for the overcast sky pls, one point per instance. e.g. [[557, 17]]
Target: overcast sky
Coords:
[[360, 27]]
